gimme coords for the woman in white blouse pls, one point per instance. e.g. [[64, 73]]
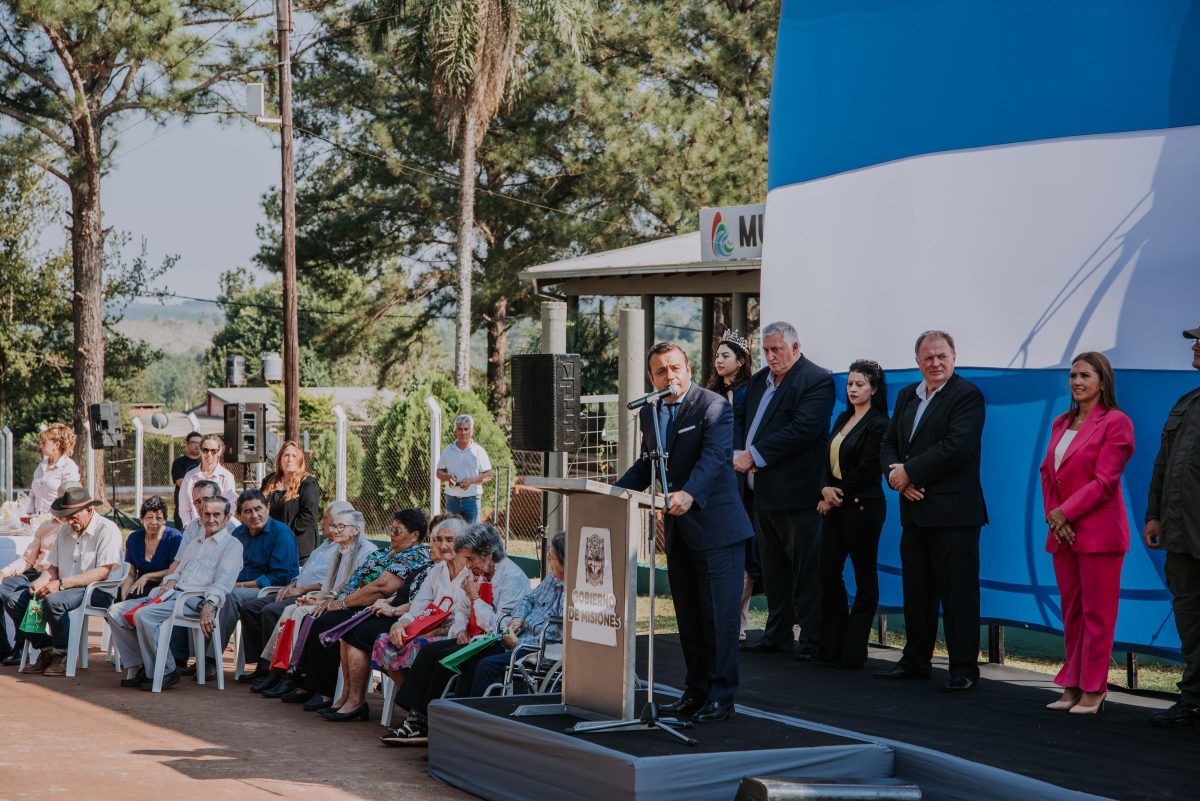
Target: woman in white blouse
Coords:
[[55, 443]]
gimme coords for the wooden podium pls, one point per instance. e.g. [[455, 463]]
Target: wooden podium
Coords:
[[603, 528]]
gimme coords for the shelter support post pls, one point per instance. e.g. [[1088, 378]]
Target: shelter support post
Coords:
[[630, 382], [739, 311], [708, 318], [996, 644], [648, 337]]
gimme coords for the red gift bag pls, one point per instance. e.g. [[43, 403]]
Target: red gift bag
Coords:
[[150, 602], [283, 647], [485, 595], [433, 617]]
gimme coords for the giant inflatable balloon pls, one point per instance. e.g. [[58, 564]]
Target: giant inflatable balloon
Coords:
[[1026, 175]]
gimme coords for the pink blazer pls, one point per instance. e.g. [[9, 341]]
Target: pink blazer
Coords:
[[1087, 485]]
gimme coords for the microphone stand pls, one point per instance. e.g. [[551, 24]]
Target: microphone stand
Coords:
[[649, 720]]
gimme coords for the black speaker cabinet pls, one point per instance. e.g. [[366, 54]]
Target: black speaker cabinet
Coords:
[[245, 432], [545, 389], [105, 420]]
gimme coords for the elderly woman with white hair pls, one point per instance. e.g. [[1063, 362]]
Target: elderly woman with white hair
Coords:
[[464, 467], [382, 576], [482, 546], [328, 569]]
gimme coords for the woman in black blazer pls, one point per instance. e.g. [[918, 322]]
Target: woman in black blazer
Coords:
[[854, 508], [294, 497]]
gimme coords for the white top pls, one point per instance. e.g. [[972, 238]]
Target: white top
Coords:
[[317, 566], [1061, 449], [509, 586], [209, 564], [468, 463], [436, 586], [225, 481], [46, 481], [98, 545]]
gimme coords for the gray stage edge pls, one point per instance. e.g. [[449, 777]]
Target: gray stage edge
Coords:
[[501, 759]]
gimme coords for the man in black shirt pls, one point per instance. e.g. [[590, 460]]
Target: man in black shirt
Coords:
[[182, 466]]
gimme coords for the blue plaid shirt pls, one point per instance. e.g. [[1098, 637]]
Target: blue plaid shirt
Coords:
[[536, 608]]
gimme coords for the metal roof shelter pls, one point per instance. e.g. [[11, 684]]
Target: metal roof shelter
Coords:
[[669, 267]]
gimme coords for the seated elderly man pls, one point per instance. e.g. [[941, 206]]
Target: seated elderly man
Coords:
[[483, 548], [269, 557], [17, 575], [208, 563], [87, 549]]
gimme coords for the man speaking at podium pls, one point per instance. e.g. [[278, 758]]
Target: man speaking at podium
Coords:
[[706, 526]]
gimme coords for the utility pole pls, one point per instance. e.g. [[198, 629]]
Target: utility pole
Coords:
[[291, 334]]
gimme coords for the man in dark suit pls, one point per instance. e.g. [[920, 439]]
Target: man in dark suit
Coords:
[[931, 454], [781, 435], [706, 528]]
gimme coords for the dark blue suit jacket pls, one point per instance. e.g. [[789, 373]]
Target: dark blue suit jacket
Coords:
[[700, 462]]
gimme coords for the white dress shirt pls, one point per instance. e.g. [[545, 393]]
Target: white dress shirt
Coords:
[[98, 545], [208, 564], [509, 586], [317, 566], [224, 479], [469, 462]]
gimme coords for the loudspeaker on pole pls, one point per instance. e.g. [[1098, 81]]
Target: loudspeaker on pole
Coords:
[[245, 432], [105, 420], [545, 402]]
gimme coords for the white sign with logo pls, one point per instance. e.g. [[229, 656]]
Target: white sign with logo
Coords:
[[592, 607], [730, 233]]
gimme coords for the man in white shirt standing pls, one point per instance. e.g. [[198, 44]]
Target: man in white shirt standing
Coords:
[[210, 469], [465, 467], [209, 563], [88, 547]]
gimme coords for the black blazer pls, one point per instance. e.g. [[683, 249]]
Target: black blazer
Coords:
[[942, 458], [858, 455], [700, 462], [791, 438], [300, 513]]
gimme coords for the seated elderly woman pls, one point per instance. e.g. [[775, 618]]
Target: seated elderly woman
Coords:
[[383, 575], [329, 568], [540, 610], [483, 549], [436, 580], [150, 550]]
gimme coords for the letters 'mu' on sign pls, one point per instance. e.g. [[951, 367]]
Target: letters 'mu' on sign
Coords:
[[730, 233]]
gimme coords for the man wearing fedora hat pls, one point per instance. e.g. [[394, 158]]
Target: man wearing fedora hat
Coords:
[[88, 547]]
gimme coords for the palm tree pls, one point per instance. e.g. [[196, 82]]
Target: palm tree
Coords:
[[469, 50]]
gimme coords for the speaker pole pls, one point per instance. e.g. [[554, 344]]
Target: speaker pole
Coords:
[[554, 340]]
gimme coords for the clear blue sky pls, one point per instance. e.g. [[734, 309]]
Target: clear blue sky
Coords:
[[194, 190]]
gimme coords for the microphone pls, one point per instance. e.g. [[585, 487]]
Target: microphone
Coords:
[[670, 391]]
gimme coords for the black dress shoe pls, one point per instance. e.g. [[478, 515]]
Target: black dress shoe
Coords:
[[297, 696], [899, 671], [257, 675], [360, 712], [317, 703], [267, 682], [169, 680], [957, 683], [281, 688], [684, 706], [761, 646], [11, 660], [1183, 713], [712, 712], [137, 680]]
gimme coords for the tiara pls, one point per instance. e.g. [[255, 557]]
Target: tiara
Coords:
[[735, 337]]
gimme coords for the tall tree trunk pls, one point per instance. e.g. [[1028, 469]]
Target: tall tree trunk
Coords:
[[497, 368], [466, 251], [87, 262]]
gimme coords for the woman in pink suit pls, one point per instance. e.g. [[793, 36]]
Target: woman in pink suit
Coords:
[[1089, 531]]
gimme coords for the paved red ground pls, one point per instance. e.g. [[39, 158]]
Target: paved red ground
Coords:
[[87, 738]]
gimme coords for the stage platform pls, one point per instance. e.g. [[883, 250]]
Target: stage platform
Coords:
[[807, 720]]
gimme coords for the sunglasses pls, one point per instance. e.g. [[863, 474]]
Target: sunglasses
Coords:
[[210, 450]]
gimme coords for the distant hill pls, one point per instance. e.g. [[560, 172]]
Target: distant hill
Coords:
[[174, 328]]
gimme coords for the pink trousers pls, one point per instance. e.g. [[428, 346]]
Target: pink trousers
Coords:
[[1089, 585]]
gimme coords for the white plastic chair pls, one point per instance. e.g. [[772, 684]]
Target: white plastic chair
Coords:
[[240, 665], [77, 650], [181, 618]]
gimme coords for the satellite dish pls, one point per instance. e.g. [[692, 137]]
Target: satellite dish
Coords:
[[159, 420]]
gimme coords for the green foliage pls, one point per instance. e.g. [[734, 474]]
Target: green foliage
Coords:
[[402, 439], [324, 462], [314, 407]]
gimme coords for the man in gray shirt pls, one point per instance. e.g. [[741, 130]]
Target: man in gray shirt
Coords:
[[1173, 524]]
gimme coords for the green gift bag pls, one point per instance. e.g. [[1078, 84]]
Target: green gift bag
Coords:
[[34, 621], [469, 650]]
